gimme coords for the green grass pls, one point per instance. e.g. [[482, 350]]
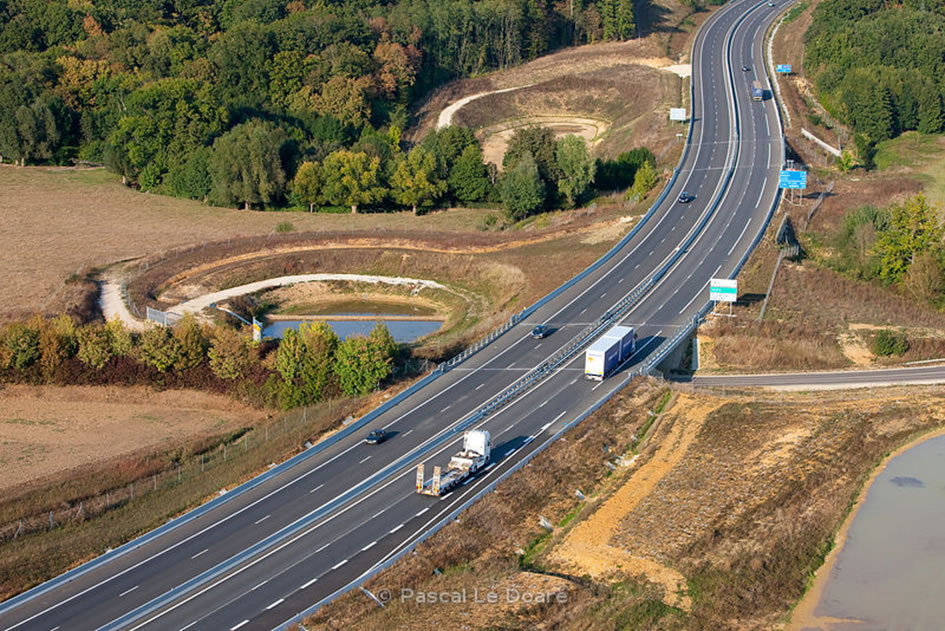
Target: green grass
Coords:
[[570, 515], [795, 12], [922, 153], [537, 545]]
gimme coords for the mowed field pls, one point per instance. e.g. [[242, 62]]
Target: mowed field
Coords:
[[59, 222], [46, 431]]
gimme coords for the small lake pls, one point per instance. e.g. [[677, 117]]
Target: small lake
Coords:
[[402, 330], [890, 573]]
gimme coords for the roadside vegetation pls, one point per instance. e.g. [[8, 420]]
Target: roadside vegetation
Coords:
[[879, 90], [305, 367], [745, 545]]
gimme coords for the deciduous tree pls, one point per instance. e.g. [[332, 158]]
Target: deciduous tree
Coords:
[[246, 165], [351, 179], [414, 180], [522, 189], [576, 166]]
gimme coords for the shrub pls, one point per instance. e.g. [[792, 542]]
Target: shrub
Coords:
[[229, 353], [160, 349], [57, 342], [22, 344], [95, 347], [361, 363], [193, 342], [888, 342], [285, 226], [120, 338]]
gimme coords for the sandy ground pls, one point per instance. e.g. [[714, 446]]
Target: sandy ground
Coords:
[[495, 139], [588, 547], [45, 430]]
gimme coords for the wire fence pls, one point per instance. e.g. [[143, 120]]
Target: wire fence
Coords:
[[291, 431]]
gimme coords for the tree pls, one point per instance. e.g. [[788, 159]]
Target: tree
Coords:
[[22, 346], [307, 184], [624, 21], [643, 181], [845, 162], [913, 230], [469, 177], [540, 143], [164, 123], [159, 348], [228, 353], [246, 165], [345, 98], [381, 336], [191, 178], [931, 119], [304, 360], [94, 346], [522, 189], [120, 338], [193, 342], [57, 342], [37, 131], [576, 166], [414, 179], [447, 144], [361, 364], [925, 279], [351, 179]]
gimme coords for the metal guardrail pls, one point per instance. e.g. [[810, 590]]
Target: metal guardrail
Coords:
[[380, 567], [670, 345]]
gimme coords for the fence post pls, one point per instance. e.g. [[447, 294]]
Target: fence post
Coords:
[[178, 474], [131, 488], [50, 520]]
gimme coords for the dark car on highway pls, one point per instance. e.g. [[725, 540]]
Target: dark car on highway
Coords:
[[684, 198], [540, 331], [376, 437]]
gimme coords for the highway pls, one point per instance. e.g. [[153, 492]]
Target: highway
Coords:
[[299, 536], [823, 380]]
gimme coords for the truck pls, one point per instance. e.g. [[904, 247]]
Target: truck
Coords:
[[477, 448], [757, 94], [604, 355]]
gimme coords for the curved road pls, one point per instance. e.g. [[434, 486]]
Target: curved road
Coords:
[[313, 527]]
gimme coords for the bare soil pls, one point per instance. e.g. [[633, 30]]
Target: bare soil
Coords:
[[46, 431], [738, 497]]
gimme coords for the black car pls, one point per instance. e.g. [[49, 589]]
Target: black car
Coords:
[[540, 331], [746, 68], [684, 198], [376, 437]]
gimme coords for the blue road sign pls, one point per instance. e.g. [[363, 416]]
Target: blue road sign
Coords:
[[793, 179], [783, 68]]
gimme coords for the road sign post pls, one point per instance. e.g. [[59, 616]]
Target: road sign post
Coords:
[[793, 180], [783, 68], [724, 290], [257, 330], [677, 114]]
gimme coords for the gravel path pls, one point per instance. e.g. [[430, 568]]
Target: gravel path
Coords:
[[201, 303], [114, 306], [446, 116]]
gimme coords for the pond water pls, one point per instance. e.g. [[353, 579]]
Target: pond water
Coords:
[[402, 330], [890, 573]]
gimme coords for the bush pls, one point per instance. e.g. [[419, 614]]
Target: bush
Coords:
[[193, 343], [160, 349], [121, 339], [95, 347], [285, 226], [229, 353], [57, 342], [22, 345], [888, 342]]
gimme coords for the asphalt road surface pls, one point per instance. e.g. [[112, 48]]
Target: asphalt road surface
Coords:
[[296, 538]]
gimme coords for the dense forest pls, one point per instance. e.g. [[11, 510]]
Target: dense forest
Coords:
[[224, 100], [878, 66]]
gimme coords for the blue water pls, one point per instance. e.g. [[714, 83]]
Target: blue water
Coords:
[[890, 573], [402, 330]]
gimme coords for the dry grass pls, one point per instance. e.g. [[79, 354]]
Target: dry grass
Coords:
[[745, 515], [46, 430], [106, 503]]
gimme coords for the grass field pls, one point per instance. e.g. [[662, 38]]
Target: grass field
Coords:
[[918, 156]]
